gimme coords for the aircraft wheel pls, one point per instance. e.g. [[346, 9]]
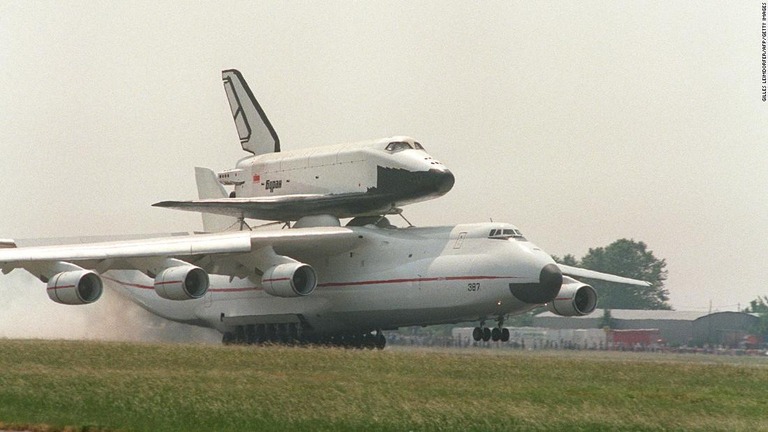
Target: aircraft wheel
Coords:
[[271, 333], [495, 334], [360, 341], [281, 333], [369, 341], [346, 341], [477, 334], [293, 333], [250, 334], [381, 341], [240, 335], [339, 340], [228, 338], [505, 334], [353, 341], [261, 334], [486, 334]]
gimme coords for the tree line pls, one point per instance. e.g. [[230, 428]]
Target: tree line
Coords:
[[630, 259]]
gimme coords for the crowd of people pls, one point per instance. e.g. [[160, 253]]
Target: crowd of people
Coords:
[[464, 342]]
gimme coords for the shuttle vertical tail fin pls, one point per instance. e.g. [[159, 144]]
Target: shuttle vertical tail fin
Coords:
[[208, 187], [256, 132]]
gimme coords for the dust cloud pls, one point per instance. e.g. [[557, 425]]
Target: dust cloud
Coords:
[[26, 312]]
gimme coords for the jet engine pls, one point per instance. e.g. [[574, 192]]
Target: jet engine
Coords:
[[75, 287], [182, 283], [289, 280], [574, 299]]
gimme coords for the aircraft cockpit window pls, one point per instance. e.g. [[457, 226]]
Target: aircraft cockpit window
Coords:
[[506, 234], [418, 146], [398, 145]]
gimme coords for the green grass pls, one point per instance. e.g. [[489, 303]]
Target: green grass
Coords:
[[153, 387]]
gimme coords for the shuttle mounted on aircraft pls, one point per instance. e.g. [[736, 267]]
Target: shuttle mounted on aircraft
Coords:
[[316, 281], [347, 180]]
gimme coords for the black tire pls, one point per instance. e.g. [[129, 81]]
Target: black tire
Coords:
[[240, 335], [228, 338], [486, 334], [495, 334], [250, 334], [477, 334], [261, 333], [381, 341], [505, 334]]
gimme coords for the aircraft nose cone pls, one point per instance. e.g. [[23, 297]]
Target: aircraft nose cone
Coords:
[[550, 281]]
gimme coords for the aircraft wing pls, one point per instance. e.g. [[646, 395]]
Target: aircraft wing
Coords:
[[591, 274], [201, 249]]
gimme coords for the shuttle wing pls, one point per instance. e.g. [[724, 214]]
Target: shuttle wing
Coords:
[[591, 274], [287, 207]]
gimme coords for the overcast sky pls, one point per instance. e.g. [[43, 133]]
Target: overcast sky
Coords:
[[580, 122]]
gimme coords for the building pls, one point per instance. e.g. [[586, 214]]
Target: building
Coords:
[[675, 327], [724, 328]]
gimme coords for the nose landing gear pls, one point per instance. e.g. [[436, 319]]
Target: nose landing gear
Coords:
[[498, 333], [481, 333]]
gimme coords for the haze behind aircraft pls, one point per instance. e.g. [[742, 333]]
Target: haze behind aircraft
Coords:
[[317, 281], [355, 179]]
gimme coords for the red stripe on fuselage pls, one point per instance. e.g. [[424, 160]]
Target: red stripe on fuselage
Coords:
[[147, 287], [60, 287], [337, 284], [276, 279], [128, 284], [430, 279]]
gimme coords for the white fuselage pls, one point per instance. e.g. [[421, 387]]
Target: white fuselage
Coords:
[[369, 178], [337, 169], [396, 277]]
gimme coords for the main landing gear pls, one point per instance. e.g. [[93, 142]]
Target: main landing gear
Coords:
[[486, 334], [358, 341], [293, 334]]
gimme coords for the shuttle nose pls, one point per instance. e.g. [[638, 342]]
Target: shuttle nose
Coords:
[[443, 180], [406, 184], [550, 281]]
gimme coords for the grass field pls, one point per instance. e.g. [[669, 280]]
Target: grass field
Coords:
[[52, 385]]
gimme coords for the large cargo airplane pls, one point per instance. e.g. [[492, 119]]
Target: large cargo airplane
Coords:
[[355, 179], [318, 281]]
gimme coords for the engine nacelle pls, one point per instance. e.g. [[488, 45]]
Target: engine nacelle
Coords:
[[182, 283], [574, 299], [289, 280], [75, 287]]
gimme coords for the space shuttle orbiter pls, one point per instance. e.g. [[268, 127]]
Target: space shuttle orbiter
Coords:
[[347, 180]]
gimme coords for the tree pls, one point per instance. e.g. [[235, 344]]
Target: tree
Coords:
[[630, 259], [759, 306], [607, 320], [568, 260]]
